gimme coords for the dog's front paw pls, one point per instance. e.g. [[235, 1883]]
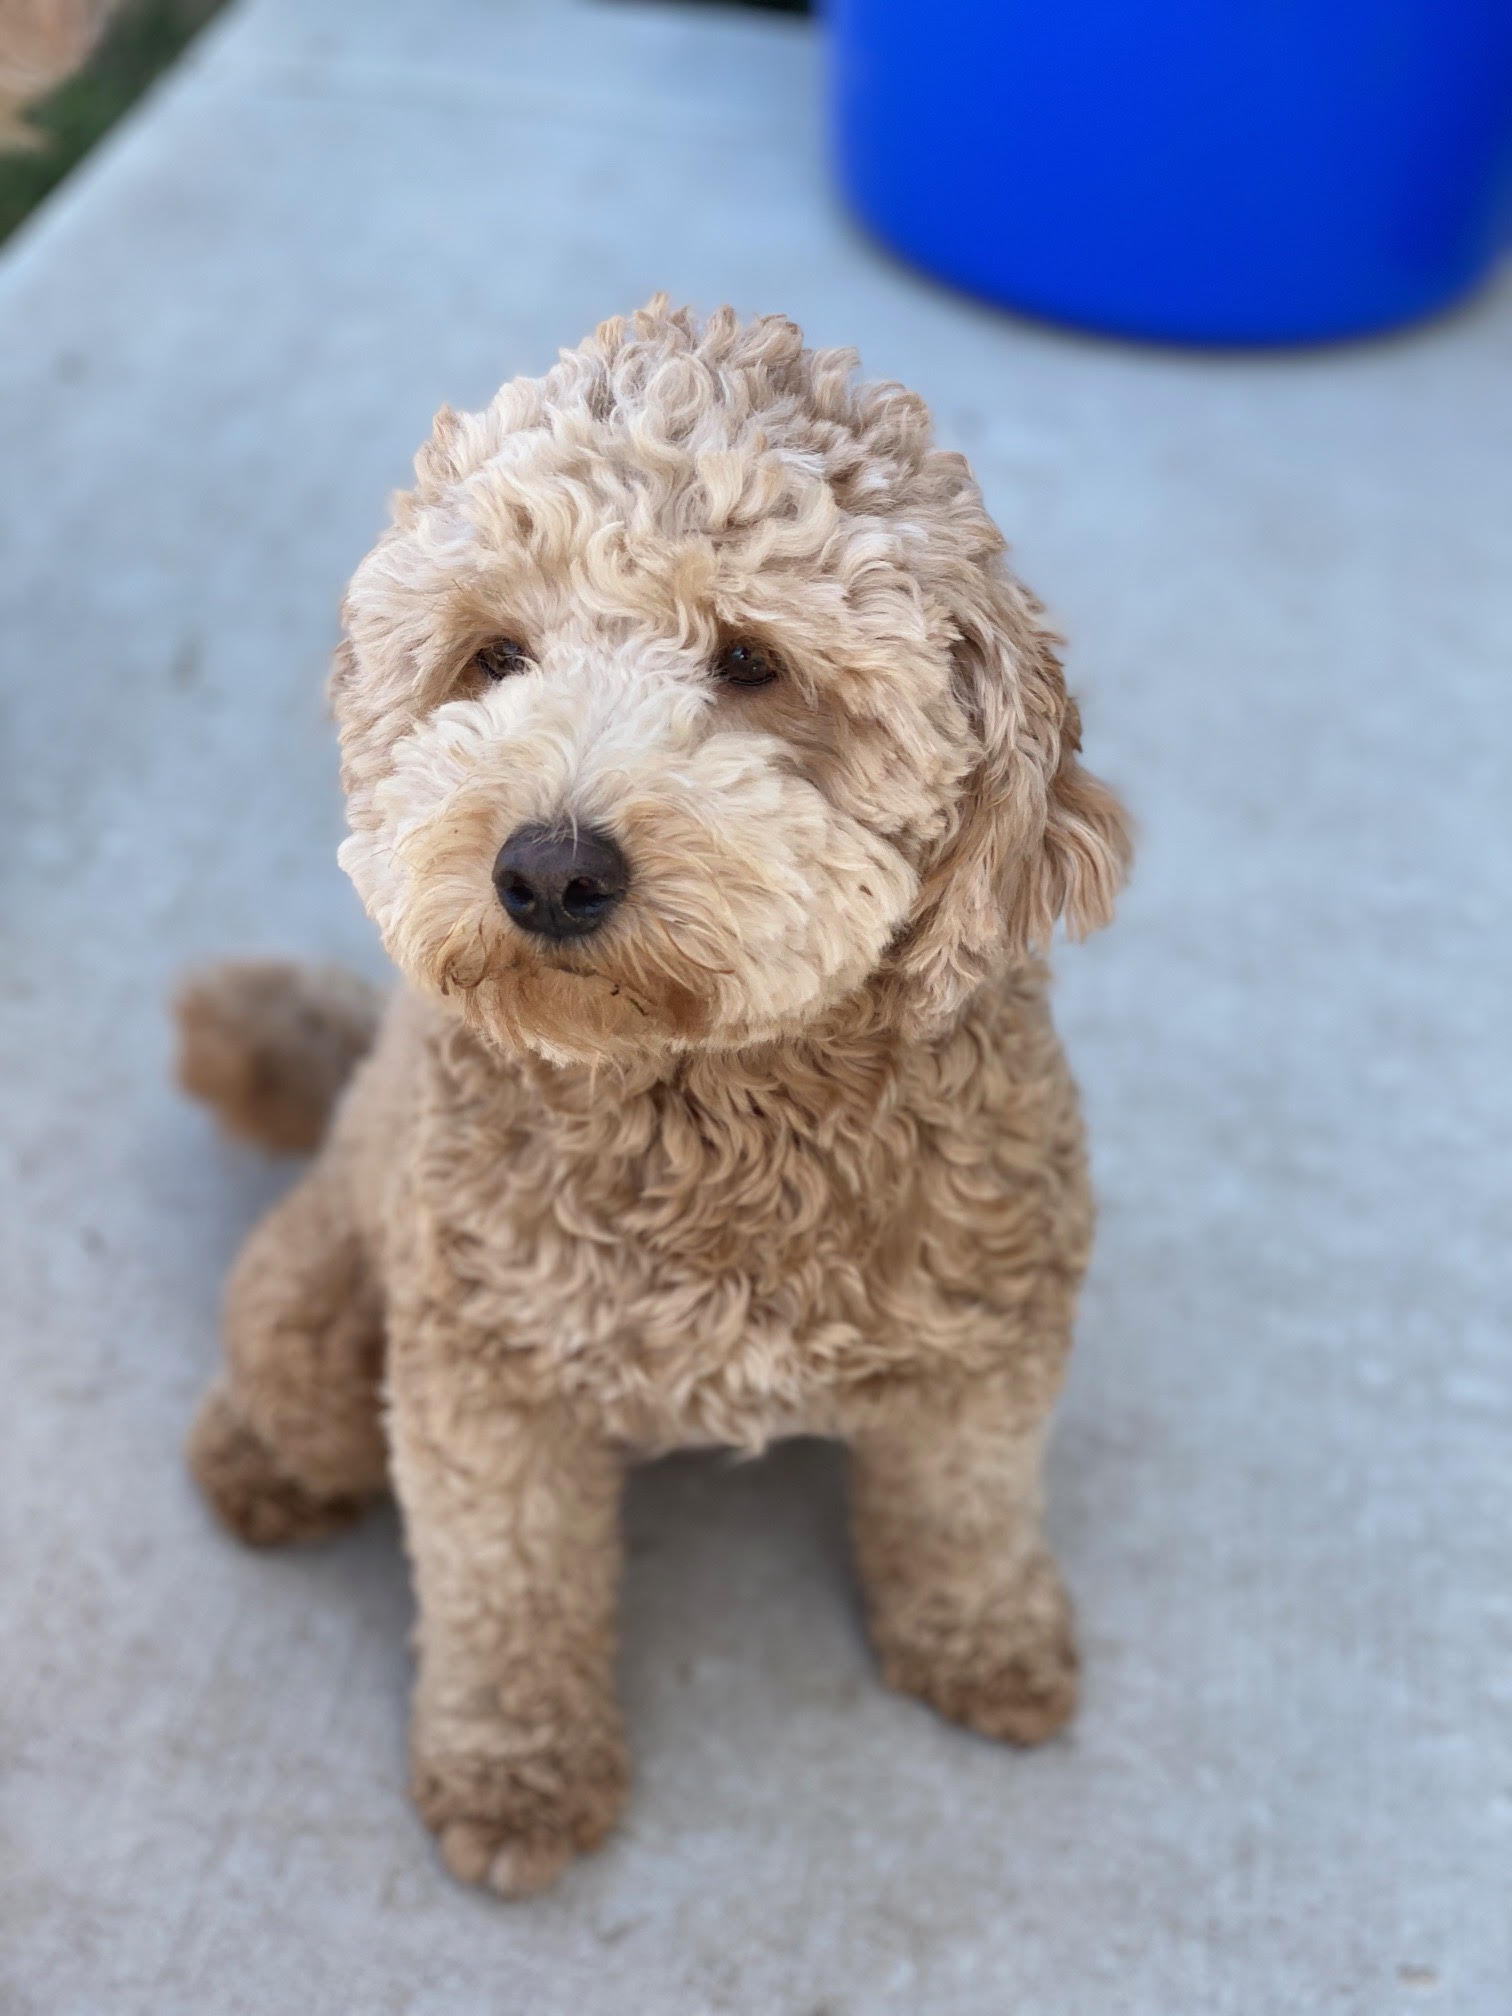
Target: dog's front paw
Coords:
[[247, 1491], [512, 1809], [1009, 1672]]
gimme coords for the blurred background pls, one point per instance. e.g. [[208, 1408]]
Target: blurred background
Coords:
[[1216, 302]]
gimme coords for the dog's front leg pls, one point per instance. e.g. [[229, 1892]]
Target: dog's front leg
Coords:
[[965, 1604], [511, 1510]]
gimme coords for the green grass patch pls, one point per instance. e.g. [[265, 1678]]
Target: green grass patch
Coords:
[[142, 41]]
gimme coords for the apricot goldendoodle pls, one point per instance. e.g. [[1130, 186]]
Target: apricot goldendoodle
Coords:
[[713, 785]]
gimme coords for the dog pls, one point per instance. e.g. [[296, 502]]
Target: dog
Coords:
[[715, 789]]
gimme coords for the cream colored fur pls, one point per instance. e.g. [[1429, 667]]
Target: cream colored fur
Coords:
[[789, 1146]]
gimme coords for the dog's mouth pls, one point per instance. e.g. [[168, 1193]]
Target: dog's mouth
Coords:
[[590, 981], [575, 969]]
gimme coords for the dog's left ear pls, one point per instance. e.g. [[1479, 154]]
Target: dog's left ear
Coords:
[[1038, 838]]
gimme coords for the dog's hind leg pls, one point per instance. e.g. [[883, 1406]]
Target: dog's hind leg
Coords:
[[289, 1441]]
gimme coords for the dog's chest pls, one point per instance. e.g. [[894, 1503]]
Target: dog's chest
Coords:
[[728, 1254], [665, 1188], [712, 1251]]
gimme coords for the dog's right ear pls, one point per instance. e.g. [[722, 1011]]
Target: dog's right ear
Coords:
[[1037, 838]]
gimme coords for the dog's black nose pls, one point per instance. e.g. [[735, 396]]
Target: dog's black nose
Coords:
[[560, 884]]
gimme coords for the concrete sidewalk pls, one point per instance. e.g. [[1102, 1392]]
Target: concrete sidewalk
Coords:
[[1281, 1480]]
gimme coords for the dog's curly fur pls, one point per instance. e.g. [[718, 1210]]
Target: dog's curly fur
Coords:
[[788, 1146]]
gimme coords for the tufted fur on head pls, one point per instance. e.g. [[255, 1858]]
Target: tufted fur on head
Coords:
[[900, 810]]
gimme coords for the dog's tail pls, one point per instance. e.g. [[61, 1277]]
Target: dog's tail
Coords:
[[270, 1045]]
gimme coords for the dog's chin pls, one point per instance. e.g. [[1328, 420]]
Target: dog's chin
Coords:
[[575, 1015], [571, 1013]]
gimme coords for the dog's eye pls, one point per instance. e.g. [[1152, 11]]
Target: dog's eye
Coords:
[[746, 665], [503, 656]]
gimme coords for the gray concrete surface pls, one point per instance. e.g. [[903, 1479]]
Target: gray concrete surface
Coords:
[[1281, 1479]]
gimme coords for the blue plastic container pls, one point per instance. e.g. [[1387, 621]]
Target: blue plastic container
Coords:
[[1210, 171]]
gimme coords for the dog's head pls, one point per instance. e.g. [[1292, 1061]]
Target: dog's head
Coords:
[[688, 694]]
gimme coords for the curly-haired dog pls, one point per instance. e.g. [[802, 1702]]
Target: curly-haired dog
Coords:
[[712, 783]]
